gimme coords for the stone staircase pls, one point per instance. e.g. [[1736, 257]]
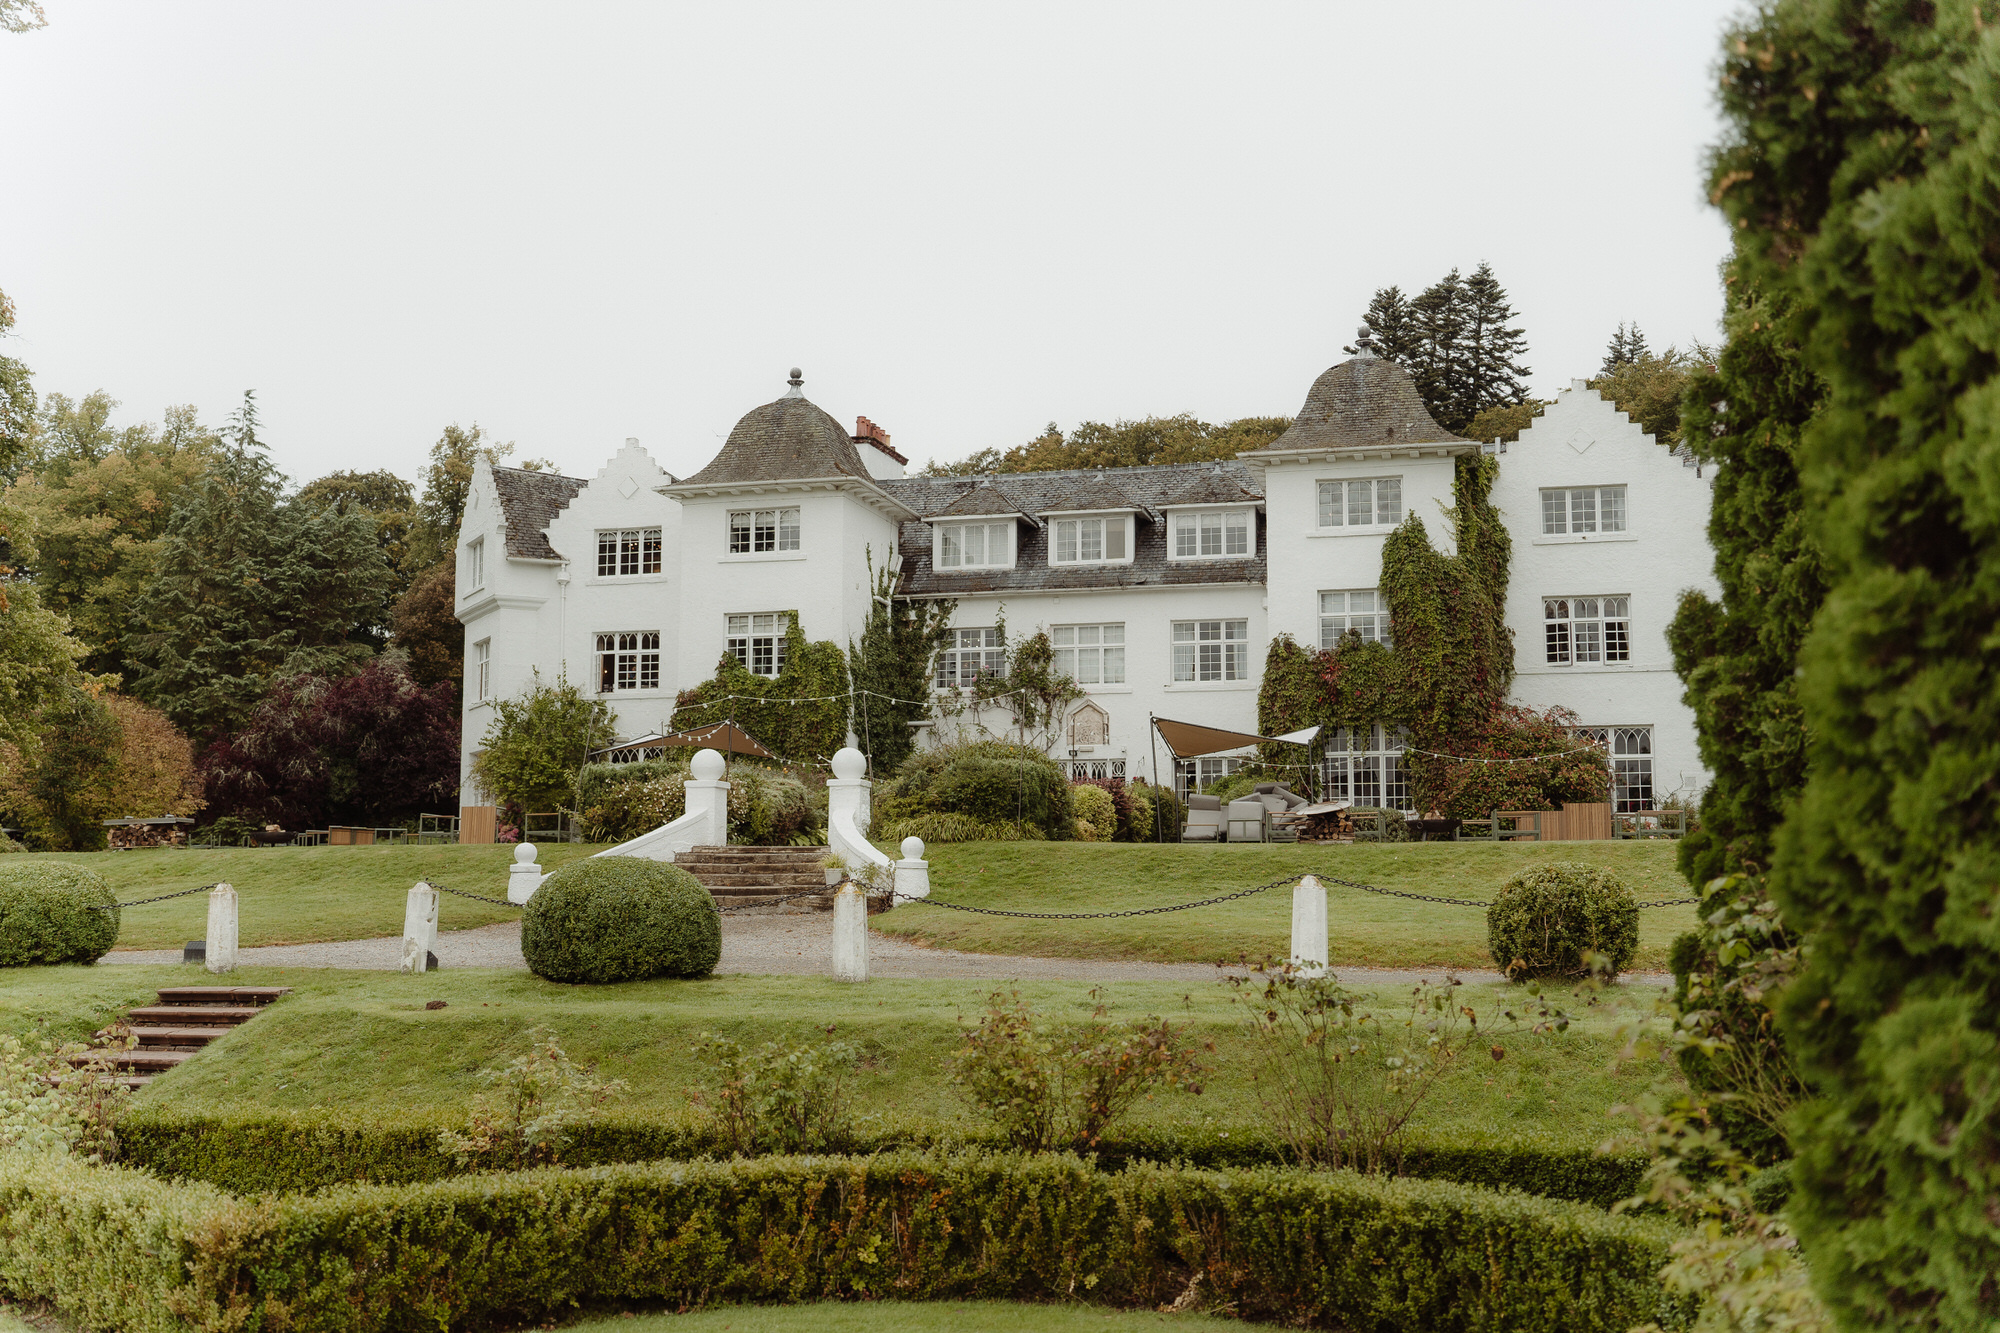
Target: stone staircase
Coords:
[[186, 1019], [753, 876]]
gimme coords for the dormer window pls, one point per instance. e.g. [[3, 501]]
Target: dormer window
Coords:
[[1090, 541], [1216, 534], [975, 545], [755, 531]]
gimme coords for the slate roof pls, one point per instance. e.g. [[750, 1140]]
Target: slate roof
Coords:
[[1362, 402], [1045, 492], [529, 502], [787, 440], [1089, 493], [978, 502], [1210, 486]]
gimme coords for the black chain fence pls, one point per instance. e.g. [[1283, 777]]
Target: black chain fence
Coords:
[[1243, 893], [141, 902]]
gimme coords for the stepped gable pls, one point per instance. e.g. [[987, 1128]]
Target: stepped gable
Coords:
[[1143, 488], [529, 502], [791, 439], [1365, 402]]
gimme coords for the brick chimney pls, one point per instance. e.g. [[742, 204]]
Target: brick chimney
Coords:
[[867, 432]]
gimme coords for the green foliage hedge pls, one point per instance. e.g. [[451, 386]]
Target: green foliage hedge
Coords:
[[607, 919], [1549, 916], [119, 1248], [280, 1154], [766, 807], [798, 733], [992, 782], [54, 913]]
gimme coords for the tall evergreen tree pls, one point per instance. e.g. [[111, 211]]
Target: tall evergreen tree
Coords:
[[1493, 372], [1387, 329], [1626, 346], [892, 669], [1861, 178], [1438, 361], [248, 587]]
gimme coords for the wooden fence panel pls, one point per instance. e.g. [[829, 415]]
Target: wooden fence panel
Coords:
[[475, 823]]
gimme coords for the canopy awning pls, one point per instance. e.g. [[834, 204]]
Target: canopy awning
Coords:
[[1189, 740], [727, 737]]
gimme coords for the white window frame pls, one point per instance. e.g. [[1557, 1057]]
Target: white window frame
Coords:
[[1199, 524], [1365, 765], [975, 651], [1587, 631], [1582, 512], [1336, 617], [1209, 652], [1191, 775], [1631, 758], [624, 553], [771, 531], [745, 631], [1090, 654], [949, 543], [1078, 529], [482, 669], [627, 661], [1335, 509], [475, 565]]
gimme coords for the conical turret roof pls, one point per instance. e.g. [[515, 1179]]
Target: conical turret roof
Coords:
[[787, 440], [1362, 403]]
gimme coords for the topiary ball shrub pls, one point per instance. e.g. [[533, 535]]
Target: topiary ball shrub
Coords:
[[1547, 918], [606, 919], [54, 913]]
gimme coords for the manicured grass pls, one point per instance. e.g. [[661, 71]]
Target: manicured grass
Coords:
[[1365, 929], [304, 895], [910, 1317], [360, 1048]]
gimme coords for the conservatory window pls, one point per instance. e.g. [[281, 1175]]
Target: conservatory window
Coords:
[[1365, 765], [1631, 764]]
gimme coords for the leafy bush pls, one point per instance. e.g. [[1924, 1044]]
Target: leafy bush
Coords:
[[54, 913], [1165, 815], [537, 743], [1577, 772], [1233, 787], [1547, 919], [607, 919], [780, 1099], [1048, 1089], [49, 1104], [991, 781], [766, 807], [956, 828], [539, 1100], [116, 1248], [1095, 812]]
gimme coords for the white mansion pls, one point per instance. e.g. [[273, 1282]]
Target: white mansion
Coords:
[[1160, 586]]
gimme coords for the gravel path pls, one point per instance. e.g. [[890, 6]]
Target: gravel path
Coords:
[[792, 945]]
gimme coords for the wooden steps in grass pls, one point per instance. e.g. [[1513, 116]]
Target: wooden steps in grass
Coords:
[[186, 1019]]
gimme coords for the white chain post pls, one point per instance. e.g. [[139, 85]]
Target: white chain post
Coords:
[[220, 953], [1309, 946], [850, 933], [420, 915]]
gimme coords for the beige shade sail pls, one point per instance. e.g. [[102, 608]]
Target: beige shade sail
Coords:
[[1188, 740], [726, 737]]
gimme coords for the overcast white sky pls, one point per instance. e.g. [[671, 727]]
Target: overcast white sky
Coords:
[[575, 224]]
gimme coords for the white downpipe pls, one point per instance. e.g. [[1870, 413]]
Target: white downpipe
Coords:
[[706, 823]]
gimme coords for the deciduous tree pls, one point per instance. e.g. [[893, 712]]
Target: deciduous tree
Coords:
[[423, 624], [1097, 444], [537, 744]]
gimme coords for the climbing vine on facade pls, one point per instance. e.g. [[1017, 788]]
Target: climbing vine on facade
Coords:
[[806, 732]]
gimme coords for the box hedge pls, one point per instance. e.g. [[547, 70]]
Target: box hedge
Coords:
[[119, 1248], [1549, 919], [607, 919], [54, 913], [272, 1154]]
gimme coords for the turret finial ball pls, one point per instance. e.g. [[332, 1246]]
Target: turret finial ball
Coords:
[[913, 849], [707, 766], [849, 762], [525, 854]]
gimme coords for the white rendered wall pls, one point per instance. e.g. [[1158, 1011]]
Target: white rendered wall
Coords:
[[1582, 440], [1148, 615], [620, 496], [824, 581], [514, 607], [1306, 559]]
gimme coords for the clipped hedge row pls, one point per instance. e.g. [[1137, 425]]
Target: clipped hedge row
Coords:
[[276, 1155], [118, 1248]]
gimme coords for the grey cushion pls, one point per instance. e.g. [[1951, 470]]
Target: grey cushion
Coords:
[[1204, 802]]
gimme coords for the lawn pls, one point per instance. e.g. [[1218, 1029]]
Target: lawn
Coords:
[[304, 895], [910, 1317], [361, 1048], [1363, 928]]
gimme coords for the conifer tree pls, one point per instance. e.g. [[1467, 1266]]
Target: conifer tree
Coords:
[[1455, 341], [1625, 347], [1861, 176], [1493, 373], [892, 667], [1438, 361], [1387, 329]]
